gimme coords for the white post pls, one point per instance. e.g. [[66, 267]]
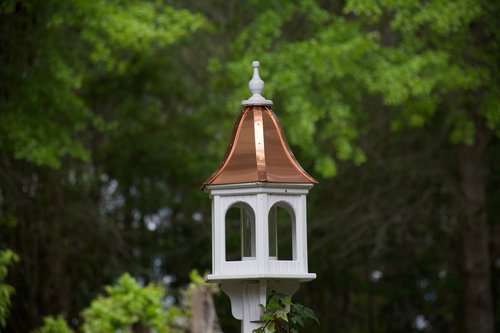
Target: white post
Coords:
[[254, 293], [248, 326], [245, 299]]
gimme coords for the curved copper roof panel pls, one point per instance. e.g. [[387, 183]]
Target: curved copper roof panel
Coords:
[[258, 152]]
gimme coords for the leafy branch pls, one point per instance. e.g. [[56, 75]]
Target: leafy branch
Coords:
[[280, 315], [7, 258]]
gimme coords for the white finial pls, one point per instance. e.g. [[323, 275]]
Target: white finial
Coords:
[[256, 85]]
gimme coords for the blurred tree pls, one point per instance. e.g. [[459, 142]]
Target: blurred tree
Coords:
[[52, 47], [54, 325], [130, 307], [113, 112], [56, 196], [427, 61], [7, 258]]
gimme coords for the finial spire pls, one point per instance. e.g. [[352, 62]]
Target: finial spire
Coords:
[[256, 85]]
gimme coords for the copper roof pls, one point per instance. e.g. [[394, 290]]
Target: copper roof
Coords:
[[258, 152]]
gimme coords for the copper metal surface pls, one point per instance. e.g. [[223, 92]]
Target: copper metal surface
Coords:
[[258, 152]]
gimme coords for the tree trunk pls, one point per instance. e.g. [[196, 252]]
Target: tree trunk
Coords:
[[204, 318], [476, 260]]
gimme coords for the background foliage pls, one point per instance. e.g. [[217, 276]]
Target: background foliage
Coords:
[[112, 113], [7, 258], [130, 307]]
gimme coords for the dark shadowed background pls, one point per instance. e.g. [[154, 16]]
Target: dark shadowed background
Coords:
[[113, 113]]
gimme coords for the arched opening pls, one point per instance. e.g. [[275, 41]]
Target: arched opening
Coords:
[[282, 232], [240, 232]]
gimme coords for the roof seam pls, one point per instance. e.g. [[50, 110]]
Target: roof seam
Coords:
[[260, 153]]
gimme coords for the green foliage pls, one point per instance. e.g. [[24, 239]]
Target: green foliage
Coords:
[[411, 54], [280, 315], [7, 258], [44, 115], [54, 325], [131, 104], [195, 281], [426, 66], [126, 305]]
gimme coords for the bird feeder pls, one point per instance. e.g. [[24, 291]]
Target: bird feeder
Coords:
[[257, 184]]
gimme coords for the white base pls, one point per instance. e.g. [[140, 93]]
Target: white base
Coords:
[[264, 102], [298, 277]]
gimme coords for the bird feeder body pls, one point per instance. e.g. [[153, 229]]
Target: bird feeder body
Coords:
[[258, 174], [258, 199]]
